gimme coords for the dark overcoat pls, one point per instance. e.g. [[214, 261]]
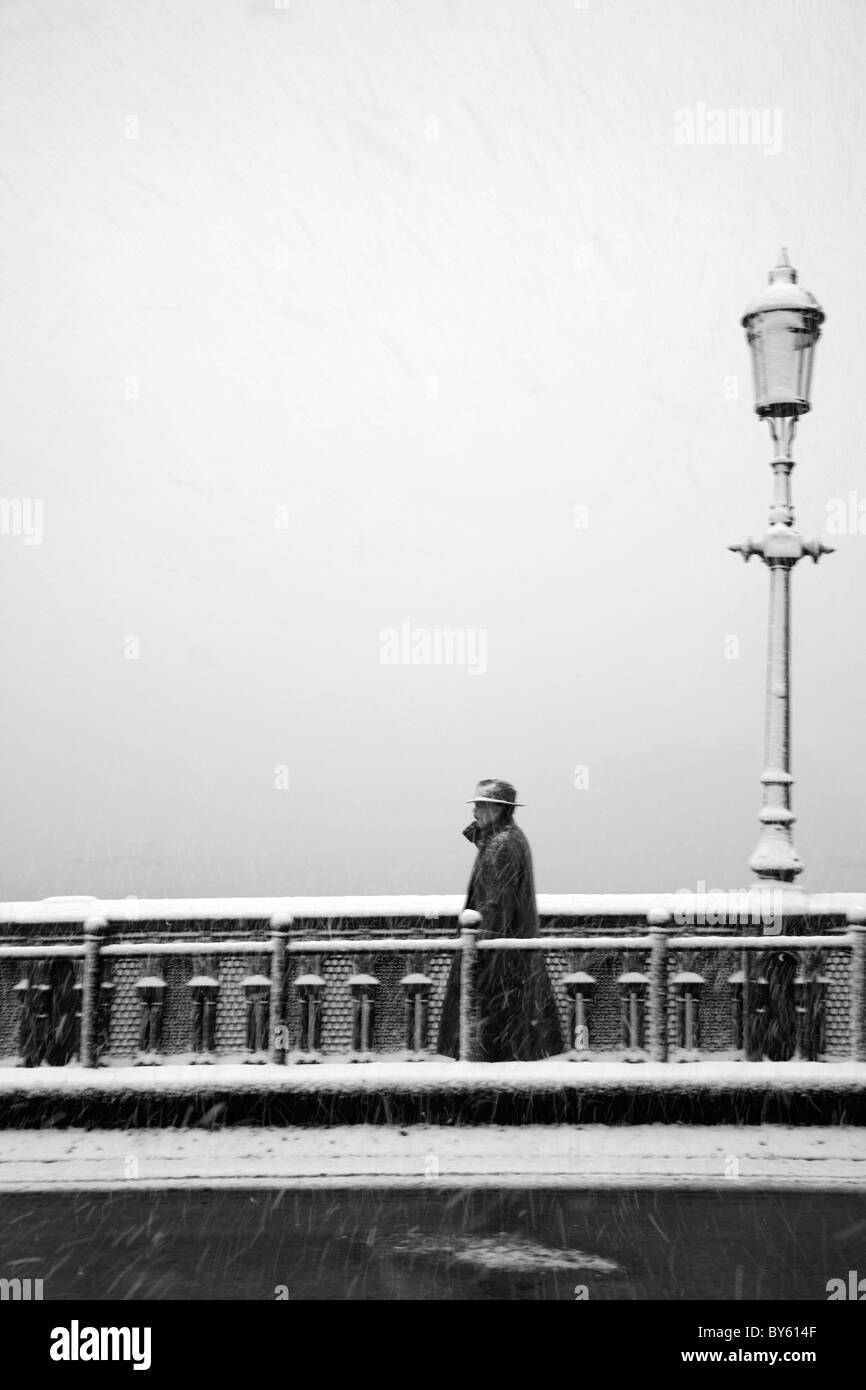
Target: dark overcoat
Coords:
[[517, 1012]]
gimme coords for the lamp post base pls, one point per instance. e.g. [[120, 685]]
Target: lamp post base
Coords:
[[776, 863]]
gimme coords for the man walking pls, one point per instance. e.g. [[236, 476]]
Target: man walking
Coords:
[[517, 1012]]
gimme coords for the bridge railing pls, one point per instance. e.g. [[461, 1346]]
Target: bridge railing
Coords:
[[660, 1009]]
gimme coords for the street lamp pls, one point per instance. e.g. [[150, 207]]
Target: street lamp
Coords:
[[782, 327]]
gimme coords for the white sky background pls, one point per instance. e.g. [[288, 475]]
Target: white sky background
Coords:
[[429, 275]]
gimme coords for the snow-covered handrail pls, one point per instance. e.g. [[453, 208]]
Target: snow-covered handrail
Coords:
[[842, 942], [428, 945], [185, 948], [45, 951]]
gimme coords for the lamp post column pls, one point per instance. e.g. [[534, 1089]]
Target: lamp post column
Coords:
[[775, 856], [775, 859]]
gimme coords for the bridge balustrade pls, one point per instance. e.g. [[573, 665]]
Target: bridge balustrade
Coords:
[[776, 1005]]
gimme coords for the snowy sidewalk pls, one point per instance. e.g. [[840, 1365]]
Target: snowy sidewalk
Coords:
[[592, 1156]]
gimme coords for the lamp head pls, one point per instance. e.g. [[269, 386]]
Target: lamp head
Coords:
[[782, 325]]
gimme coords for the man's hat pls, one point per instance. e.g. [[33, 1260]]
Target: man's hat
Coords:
[[492, 789]]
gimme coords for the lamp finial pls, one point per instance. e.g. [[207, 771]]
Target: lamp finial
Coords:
[[783, 273]]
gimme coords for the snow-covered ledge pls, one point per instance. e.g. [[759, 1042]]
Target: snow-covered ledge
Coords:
[[712, 908]]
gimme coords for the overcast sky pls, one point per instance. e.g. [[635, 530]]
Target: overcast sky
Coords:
[[322, 319]]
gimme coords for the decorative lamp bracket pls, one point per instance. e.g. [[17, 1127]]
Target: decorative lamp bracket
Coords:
[[748, 548]]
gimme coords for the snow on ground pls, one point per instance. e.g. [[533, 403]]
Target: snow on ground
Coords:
[[583, 1156], [418, 1077]]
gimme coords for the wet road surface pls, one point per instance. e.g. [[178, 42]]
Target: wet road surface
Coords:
[[376, 1243]]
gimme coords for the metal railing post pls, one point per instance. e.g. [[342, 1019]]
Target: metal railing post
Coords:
[[280, 924], [660, 930], [94, 929], [748, 1006], [470, 923], [756, 988], [857, 985]]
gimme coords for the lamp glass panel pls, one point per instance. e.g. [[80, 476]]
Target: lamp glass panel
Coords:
[[782, 343]]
